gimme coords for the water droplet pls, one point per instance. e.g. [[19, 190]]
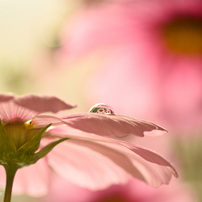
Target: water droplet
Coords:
[[101, 108]]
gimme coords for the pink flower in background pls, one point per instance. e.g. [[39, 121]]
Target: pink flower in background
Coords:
[[151, 63], [90, 157], [134, 191]]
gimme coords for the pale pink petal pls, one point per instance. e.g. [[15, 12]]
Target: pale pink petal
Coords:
[[86, 167], [42, 104], [28, 106], [9, 110], [33, 180], [44, 120], [163, 171], [140, 163], [111, 125], [2, 177], [155, 171], [65, 132], [58, 192], [6, 97]]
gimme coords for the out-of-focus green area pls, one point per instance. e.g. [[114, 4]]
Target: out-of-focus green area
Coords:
[[26, 29]]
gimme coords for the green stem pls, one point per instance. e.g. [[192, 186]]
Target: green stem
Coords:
[[10, 174]]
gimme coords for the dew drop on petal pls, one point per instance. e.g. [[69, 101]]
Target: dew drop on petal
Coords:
[[101, 108]]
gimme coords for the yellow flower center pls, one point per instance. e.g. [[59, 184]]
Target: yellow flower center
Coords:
[[183, 35], [19, 132]]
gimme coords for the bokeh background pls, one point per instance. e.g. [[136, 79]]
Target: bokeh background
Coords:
[[143, 58]]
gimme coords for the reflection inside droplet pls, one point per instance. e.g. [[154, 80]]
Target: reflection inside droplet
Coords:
[[101, 108]]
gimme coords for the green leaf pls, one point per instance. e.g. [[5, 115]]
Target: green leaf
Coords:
[[33, 144], [48, 148], [7, 147]]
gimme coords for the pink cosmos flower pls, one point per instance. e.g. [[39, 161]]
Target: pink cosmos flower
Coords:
[[90, 157], [151, 58]]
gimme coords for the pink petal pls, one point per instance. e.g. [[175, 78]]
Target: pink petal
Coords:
[[33, 180], [9, 110], [86, 167], [42, 104], [44, 120], [154, 169], [140, 163], [58, 192], [157, 173], [5, 97], [111, 125], [3, 177]]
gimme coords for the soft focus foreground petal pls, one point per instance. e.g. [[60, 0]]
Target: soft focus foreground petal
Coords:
[[42, 104], [33, 180], [140, 163], [2, 177], [85, 167], [111, 125], [64, 191]]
